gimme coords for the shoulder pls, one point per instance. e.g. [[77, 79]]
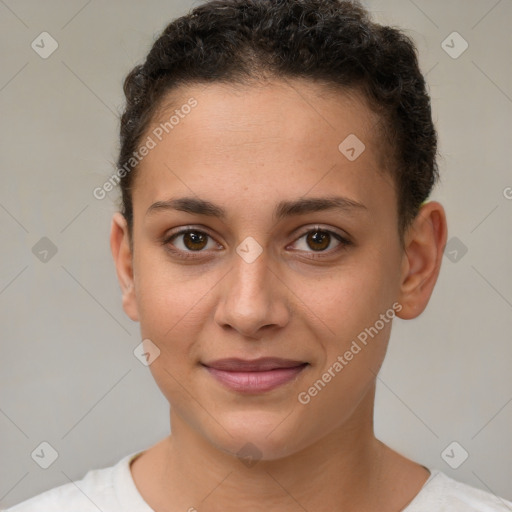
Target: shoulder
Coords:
[[97, 490], [444, 494]]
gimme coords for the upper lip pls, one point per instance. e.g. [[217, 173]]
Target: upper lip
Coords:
[[255, 365]]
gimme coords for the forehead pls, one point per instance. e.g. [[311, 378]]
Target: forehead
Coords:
[[264, 112], [282, 138]]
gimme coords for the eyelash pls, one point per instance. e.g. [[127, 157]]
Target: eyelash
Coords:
[[343, 243]]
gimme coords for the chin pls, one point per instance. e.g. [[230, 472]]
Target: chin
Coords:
[[260, 436]]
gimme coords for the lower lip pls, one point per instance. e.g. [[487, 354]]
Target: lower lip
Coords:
[[256, 382]]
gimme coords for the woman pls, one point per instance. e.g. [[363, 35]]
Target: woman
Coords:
[[275, 162]]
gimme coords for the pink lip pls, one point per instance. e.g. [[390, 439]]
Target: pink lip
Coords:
[[255, 376]]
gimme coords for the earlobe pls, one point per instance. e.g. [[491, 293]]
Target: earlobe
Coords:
[[424, 245], [123, 260]]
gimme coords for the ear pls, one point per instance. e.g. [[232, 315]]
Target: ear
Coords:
[[123, 259], [425, 241]]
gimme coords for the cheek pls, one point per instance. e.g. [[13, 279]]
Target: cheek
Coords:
[[172, 313], [353, 349], [355, 306], [169, 296], [351, 297]]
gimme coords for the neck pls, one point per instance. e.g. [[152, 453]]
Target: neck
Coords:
[[348, 467]]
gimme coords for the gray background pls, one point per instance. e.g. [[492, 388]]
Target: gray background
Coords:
[[68, 373]]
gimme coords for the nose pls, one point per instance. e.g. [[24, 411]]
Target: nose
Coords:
[[253, 299]]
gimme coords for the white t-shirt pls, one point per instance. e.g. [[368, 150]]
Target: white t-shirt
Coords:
[[112, 489]]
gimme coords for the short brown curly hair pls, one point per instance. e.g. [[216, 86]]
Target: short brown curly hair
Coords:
[[331, 41]]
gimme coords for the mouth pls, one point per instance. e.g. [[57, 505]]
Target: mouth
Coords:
[[256, 376]]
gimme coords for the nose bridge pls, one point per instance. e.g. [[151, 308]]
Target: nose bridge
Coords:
[[250, 263], [250, 297], [249, 282]]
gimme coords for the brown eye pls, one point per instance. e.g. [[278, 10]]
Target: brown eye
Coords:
[[190, 240], [194, 240], [321, 241], [318, 240]]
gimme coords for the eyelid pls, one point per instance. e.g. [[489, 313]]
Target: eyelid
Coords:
[[342, 237], [183, 230]]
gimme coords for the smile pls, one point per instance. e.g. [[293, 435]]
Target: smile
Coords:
[[256, 376]]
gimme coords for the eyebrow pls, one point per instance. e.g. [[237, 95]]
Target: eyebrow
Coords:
[[282, 210]]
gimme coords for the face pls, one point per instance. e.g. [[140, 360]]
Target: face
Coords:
[[255, 236]]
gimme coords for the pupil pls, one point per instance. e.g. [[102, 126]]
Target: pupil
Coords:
[[319, 238], [194, 240]]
